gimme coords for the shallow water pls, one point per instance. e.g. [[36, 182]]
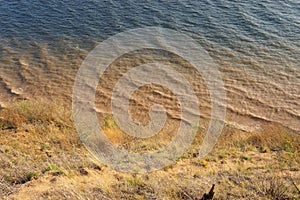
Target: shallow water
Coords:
[[255, 44]]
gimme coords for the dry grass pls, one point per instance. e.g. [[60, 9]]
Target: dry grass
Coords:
[[41, 157]]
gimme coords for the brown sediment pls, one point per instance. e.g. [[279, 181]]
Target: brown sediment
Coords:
[[255, 90]]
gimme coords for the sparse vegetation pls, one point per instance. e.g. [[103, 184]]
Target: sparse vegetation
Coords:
[[52, 167], [41, 157]]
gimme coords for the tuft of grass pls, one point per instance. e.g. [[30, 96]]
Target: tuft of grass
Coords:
[[39, 111], [135, 182], [30, 176], [245, 157], [109, 122], [52, 167], [203, 163], [274, 188]]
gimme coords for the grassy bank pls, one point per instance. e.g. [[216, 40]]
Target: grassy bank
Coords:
[[41, 157]]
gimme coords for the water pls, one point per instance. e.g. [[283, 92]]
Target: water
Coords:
[[255, 44]]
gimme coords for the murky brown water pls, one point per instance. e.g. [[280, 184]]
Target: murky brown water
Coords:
[[256, 94]]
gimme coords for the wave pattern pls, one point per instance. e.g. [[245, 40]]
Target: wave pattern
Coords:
[[255, 44]]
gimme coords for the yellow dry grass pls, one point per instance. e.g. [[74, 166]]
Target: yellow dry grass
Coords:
[[41, 157]]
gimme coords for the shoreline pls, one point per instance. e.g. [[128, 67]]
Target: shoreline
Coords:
[[249, 123]]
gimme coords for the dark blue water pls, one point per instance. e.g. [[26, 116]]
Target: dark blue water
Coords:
[[220, 22], [256, 44]]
